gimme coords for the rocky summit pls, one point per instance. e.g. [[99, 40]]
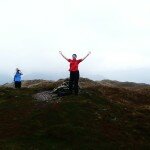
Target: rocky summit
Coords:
[[106, 114]]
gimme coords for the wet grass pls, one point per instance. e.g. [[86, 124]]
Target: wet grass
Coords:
[[86, 122]]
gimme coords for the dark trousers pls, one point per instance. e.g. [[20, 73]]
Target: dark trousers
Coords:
[[17, 85], [73, 83]]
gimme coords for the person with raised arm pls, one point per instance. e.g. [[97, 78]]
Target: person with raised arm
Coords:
[[17, 79], [74, 71]]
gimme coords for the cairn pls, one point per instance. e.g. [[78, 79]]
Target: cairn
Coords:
[[55, 94]]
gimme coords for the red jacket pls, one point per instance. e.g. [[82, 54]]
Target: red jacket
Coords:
[[74, 64]]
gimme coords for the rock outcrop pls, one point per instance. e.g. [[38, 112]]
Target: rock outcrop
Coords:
[[55, 94]]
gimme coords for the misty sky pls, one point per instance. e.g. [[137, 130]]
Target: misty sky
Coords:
[[117, 32]]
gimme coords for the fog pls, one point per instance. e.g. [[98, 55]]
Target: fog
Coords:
[[32, 33]]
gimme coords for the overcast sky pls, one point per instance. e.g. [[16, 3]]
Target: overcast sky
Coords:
[[117, 32]]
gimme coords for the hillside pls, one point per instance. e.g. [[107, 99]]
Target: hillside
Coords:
[[103, 116]]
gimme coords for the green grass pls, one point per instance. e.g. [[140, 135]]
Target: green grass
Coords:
[[84, 122]]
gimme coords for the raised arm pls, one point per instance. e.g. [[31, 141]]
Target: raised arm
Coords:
[[21, 73], [86, 56], [63, 55]]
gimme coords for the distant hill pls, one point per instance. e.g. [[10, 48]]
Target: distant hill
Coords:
[[83, 81], [123, 84]]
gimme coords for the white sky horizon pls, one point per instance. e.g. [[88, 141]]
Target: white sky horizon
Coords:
[[117, 32]]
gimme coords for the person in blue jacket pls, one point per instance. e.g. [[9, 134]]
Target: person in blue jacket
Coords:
[[17, 78]]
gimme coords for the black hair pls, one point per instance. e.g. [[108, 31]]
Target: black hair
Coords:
[[74, 55]]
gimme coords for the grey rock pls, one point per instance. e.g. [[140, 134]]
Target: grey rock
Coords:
[[54, 95]]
